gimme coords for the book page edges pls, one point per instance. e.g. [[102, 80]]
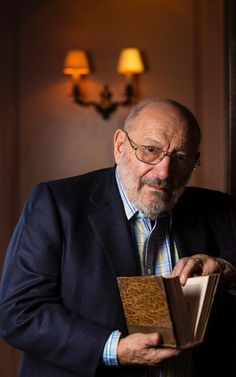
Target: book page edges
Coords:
[[212, 285], [178, 312]]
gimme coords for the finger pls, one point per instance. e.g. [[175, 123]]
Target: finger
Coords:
[[159, 355], [166, 353], [187, 267], [192, 267], [153, 340], [179, 267], [199, 265], [183, 269]]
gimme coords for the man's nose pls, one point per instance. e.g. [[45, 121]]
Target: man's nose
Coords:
[[162, 169]]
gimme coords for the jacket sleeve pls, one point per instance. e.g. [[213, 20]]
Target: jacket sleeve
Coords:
[[32, 315]]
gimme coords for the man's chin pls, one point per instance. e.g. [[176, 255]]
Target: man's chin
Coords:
[[158, 203], [154, 208], [158, 196]]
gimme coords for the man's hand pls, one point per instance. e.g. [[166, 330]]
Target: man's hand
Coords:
[[202, 264], [143, 349]]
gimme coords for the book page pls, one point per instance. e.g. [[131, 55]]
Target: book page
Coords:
[[194, 293], [178, 311]]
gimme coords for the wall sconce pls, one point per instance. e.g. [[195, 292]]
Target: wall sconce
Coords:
[[129, 64]]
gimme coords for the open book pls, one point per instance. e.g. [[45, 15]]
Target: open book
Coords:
[[156, 303]]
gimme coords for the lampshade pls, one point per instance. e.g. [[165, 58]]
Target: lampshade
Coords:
[[76, 63], [130, 61]]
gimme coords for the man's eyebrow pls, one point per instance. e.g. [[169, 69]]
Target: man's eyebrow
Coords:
[[152, 142], [158, 145]]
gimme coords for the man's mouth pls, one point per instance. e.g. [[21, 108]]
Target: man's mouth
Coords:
[[156, 185]]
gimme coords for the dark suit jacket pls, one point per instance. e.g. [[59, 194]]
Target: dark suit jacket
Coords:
[[59, 295]]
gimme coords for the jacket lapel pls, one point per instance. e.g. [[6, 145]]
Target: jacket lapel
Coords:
[[109, 222]]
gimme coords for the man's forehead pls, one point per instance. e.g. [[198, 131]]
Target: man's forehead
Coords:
[[162, 116]]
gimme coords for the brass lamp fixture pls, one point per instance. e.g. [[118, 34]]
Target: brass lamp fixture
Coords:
[[130, 64]]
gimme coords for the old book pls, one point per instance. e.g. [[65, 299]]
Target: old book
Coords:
[[156, 303]]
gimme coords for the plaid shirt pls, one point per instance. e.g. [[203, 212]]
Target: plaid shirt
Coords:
[[166, 258]]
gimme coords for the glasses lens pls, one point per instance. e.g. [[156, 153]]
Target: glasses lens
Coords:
[[153, 156], [184, 162], [149, 155]]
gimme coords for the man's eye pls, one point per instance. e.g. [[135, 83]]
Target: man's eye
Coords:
[[151, 150], [180, 157]]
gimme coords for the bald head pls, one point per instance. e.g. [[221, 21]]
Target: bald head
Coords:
[[164, 107]]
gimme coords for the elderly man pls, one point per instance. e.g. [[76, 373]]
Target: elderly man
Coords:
[[60, 301]]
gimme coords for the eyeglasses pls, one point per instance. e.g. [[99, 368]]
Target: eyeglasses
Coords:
[[152, 156]]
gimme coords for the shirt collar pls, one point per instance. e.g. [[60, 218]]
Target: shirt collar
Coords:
[[130, 210]]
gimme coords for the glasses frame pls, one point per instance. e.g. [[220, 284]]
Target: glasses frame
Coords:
[[135, 147]]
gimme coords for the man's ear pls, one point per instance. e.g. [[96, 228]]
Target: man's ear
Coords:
[[118, 144]]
